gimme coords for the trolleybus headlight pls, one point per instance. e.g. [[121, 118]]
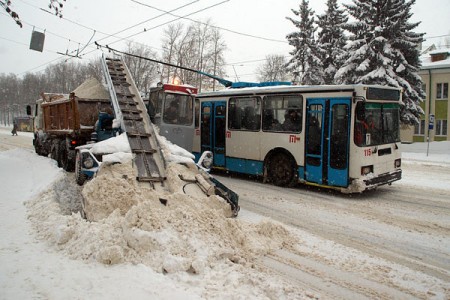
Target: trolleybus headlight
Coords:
[[366, 170], [398, 163], [88, 163]]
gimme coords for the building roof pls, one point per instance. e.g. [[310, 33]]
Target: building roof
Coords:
[[427, 62]]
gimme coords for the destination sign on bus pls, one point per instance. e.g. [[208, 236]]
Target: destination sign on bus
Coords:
[[382, 94]]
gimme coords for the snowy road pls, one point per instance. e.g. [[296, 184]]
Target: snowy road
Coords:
[[392, 243], [403, 225]]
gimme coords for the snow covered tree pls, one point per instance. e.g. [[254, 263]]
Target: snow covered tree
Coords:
[[305, 63], [383, 50], [331, 40]]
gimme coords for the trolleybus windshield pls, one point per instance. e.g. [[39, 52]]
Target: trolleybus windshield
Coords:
[[178, 109], [376, 124]]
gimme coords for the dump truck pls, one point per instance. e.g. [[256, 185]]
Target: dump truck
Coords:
[[65, 121]]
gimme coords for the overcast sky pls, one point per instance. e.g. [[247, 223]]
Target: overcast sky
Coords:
[[87, 21]]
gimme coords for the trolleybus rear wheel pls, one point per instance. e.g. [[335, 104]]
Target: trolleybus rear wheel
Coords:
[[281, 169]]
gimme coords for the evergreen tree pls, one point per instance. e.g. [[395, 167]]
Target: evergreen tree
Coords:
[[331, 40], [305, 63], [383, 50]]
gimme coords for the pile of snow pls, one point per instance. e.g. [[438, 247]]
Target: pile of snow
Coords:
[[165, 229], [91, 89]]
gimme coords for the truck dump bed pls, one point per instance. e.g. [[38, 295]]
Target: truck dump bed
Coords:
[[64, 114]]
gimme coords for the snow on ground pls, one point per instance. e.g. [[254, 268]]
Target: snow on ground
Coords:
[[187, 250], [419, 165]]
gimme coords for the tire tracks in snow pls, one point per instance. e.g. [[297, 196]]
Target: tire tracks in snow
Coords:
[[391, 223]]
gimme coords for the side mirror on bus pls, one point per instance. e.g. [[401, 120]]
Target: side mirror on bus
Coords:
[[28, 110]]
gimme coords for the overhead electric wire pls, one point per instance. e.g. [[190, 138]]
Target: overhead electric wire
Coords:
[[158, 16], [145, 30], [213, 26], [168, 22], [120, 38]]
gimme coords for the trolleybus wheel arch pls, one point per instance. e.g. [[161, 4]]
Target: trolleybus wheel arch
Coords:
[[280, 168]]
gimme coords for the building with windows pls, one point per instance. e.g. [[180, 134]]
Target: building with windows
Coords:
[[435, 74]]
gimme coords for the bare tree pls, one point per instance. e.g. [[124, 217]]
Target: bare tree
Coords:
[[203, 36], [143, 72], [273, 69], [216, 57], [199, 47], [171, 35], [16, 93], [55, 5]]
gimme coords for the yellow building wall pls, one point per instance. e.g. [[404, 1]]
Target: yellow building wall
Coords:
[[440, 108]]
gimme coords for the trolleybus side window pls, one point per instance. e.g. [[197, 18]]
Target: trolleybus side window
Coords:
[[206, 125], [339, 136], [220, 126], [283, 113], [314, 143], [244, 113], [178, 109], [197, 113]]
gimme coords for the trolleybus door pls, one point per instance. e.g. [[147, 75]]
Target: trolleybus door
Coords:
[[213, 130], [327, 141]]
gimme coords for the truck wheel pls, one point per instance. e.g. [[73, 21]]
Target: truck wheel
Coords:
[[281, 169], [79, 176], [54, 152], [38, 150], [41, 145], [65, 162], [38, 147]]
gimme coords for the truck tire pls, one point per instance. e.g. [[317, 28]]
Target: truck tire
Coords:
[[39, 146], [64, 157], [54, 152], [79, 177]]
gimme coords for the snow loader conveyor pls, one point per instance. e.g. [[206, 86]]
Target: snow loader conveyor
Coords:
[[130, 111]]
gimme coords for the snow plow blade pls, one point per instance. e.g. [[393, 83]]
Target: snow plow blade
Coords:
[[231, 197], [203, 165], [211, 186]]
